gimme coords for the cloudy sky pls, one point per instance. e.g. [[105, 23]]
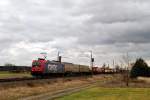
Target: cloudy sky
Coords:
[[74, 27]]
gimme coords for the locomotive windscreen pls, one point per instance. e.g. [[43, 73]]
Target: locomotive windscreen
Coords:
[[35, 63]]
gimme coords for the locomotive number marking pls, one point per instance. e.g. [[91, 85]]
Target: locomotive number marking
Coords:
[[52, 68]]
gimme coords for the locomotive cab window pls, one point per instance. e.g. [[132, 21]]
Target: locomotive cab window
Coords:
[[35, 64]]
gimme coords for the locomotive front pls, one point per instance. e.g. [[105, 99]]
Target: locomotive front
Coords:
[[38, 67]]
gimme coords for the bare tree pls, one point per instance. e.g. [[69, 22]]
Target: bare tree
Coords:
[[126, 72]]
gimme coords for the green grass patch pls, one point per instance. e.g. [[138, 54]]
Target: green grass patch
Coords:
[[5, 74], [98, 93]]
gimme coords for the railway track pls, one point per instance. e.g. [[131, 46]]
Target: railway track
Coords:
[[31, 82], [6, 80], [16, 79]]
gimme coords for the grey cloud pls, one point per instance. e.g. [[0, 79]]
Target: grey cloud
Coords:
[[108, 27], [119, 19]]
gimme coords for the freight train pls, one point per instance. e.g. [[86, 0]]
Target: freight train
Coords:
[[42, 67]]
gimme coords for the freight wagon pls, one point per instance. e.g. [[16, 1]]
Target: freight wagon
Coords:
[[99, 70], [42, 67]]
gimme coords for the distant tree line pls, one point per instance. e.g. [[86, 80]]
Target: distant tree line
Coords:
[[140, 68], [14, 68], [9, 64]]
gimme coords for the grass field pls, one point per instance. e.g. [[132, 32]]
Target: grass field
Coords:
[[98, 93], [11, 74]]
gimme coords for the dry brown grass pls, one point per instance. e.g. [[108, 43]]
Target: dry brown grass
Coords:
[[119, 82], [145, 79], [34, 89]]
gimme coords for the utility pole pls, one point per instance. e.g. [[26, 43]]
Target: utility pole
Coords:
[[113, 63], [127, 69], [114, 67], [59, 59], [92, 60], [58, 56]]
